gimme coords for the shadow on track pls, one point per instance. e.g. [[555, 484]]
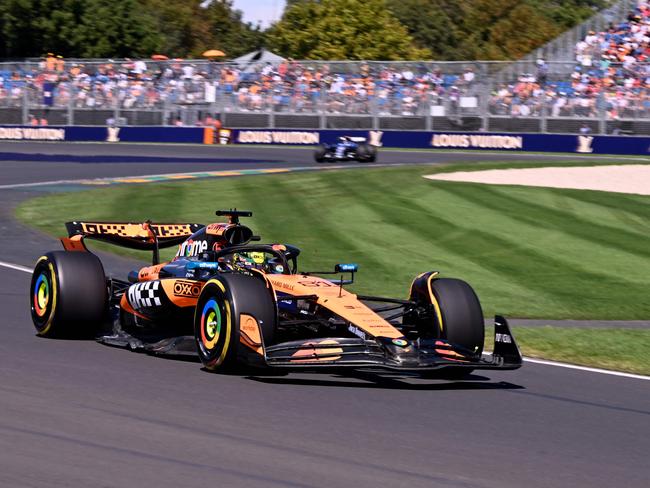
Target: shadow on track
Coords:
[[379, 381], [327, 378]]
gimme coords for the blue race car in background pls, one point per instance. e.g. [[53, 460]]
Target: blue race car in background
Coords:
[[346, 149]]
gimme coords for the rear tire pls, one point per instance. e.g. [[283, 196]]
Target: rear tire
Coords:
[[228, 304], [68, 294], [363, 153], [319, 154], [372, 154]]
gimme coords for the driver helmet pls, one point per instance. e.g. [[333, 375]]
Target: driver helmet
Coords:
[[275, 266], [268, 264], [258, 258], [244, 259], [250, 260]]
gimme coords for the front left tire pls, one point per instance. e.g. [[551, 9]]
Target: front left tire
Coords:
[[455, 315], [229, 305]]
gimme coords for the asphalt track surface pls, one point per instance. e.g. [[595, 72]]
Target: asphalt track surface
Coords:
[[75, 413]]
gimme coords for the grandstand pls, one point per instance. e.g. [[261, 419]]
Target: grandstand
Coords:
[[600, 84]]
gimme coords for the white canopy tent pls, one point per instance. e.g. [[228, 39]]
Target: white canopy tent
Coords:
[[247, 62]]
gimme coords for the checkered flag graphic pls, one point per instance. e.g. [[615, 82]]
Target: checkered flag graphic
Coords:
[[144, 295]]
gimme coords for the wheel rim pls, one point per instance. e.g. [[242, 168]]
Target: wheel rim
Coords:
[[41, 294], [210, 325]]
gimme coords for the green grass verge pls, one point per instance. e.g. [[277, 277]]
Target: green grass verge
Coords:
[[616, 349], [529, 252]]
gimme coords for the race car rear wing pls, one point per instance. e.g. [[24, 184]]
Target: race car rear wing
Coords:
[[145, 236]]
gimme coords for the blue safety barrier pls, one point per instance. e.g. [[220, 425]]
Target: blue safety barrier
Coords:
[[193, 135], [585, 144]]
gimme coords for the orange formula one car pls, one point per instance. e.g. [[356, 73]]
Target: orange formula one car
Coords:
[[236, 302]]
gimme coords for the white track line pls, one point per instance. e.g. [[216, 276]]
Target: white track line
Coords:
[[17, 267], [92, 182], [40, 183], [585, 368], [24, 269]]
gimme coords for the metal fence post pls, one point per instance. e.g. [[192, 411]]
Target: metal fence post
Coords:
[[602, 114], [374, 110], [213, 106], [25, 106], [165, 120], [322, 117], [73, 92], [428, 118], [487, 82], [542, 126], [116, 105]]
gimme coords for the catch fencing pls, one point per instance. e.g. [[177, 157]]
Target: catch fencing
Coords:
[[566, 97]]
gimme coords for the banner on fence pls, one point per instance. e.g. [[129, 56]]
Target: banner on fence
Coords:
[[192, 135], [581, 144]]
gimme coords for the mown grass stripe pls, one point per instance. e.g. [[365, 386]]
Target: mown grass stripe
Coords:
[[552, 218], [536, 270], [442, 239], [321, 221], [620, 204], [533, 232]]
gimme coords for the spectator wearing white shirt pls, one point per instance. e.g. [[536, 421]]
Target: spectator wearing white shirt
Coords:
[[469, 76]]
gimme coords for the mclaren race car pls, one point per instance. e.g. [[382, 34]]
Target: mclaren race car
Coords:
[[236, 302], [346, 149]]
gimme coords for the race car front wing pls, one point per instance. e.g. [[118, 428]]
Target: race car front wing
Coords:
[[395, 354]]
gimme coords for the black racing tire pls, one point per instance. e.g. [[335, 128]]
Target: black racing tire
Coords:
[[462, 319], [225, 307], [363, 153], [462, 315], [68, 294], [320, 153], [455, 316], [372, 154]]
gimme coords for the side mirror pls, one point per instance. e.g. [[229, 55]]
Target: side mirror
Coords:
[[346, 268]]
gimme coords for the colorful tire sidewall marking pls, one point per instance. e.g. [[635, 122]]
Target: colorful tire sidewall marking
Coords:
[[43, 293], [210, 324], [213, 324]]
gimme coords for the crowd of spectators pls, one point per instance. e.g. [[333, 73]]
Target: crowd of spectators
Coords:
[[611, 77], [288, 86]]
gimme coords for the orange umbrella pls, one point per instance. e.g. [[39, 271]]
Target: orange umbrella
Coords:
[[159, 57], [213, 53]]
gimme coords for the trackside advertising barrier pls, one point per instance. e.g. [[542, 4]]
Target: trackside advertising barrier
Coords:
[[508, 142], [585, 144], [109, 134]]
